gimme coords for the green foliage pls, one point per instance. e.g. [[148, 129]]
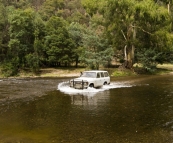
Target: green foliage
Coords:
[[32, 61], [21, 33], [150, 58], [63, 32], [4, 36], [51, 8], [91, 6], [58, 42], [163, 40], [151, 22], [26, 34], [94, 6], [97, 50], [74, 12], [10, 68], [95, 59], [76, 32]]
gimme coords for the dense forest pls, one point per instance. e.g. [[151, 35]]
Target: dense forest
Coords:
[[53, 33]]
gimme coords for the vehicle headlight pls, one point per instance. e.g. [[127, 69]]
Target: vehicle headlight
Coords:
[[86, 83], [71, 82]]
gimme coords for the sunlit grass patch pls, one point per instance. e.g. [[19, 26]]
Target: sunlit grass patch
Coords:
[[165, 66], [118, 73], [60, 72]]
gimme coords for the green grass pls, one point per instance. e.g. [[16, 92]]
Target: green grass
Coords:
[[160, 70]]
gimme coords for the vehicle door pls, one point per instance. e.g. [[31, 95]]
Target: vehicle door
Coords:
[[98, 79], [102, 78], [107, 78]]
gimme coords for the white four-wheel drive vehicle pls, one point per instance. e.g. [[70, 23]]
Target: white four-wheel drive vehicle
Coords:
[[94, 78]]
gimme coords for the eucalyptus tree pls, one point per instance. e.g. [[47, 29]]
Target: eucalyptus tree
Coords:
[[133, 25], [155, 37], [169, 5]]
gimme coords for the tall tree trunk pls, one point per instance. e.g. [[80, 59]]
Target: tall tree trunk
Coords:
[[125, 53], [133, 46], [169, 7], [129, 51], [130, 57]]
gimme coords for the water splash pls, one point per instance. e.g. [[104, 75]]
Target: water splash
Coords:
[[64, 87]]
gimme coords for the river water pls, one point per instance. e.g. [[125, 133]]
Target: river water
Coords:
[[45, 110]]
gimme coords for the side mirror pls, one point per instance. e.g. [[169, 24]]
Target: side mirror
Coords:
[[81, 73]]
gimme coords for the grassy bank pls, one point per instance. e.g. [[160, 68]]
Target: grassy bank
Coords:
[[75, 72], [160, 70], [49, 72]]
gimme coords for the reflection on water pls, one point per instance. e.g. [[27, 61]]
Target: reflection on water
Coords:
[[90, 100], [34, 111]]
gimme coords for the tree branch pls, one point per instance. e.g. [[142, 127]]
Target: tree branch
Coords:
[[142, 30], [124, 35]]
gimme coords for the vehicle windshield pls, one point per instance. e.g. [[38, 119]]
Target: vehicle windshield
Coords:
[[89, 74]]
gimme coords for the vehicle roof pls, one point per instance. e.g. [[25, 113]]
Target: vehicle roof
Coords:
[[96, 71]]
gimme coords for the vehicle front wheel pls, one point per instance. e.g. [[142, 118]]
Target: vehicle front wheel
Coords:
[[91, 85], [105, 83]]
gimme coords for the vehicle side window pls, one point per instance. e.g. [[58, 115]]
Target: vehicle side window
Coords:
[[98, 75], [106, 74], [102, 75]]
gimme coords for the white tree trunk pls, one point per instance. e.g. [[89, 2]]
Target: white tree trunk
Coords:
[[169, 7], [125, 53]]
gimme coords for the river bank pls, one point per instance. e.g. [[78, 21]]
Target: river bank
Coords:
[[75, 72], [48, 72]]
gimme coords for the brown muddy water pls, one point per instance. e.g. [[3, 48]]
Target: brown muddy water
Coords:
[[133, 110]]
